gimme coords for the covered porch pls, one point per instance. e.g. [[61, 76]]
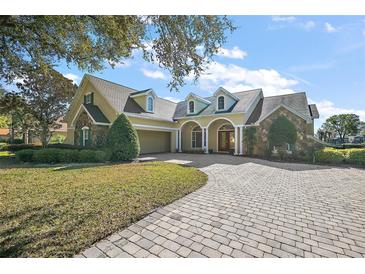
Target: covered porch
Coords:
[[219, 135]]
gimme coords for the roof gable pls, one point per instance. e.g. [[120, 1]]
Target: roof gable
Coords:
[[226, 92]]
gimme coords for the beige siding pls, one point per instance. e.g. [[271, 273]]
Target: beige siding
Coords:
[[70, 136], [154, 141]]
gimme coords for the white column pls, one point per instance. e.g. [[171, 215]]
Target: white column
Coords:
[[206, 141], [241, 140], [176, 140], [235, 140], [180, 140]]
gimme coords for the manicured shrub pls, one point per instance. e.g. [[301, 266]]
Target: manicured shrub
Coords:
[[282, 132], [122, 140], [17, 141], [329, 155], [68, 155], [92, 156], [46, 156], [3, 146], [25, 155], [16, 147], [356, 156]]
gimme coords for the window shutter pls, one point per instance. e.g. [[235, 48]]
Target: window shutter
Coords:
[[84, 99], [81, 135], [89, 141], [92, 98]]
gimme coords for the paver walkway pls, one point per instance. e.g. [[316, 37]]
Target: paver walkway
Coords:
[[252, 208]]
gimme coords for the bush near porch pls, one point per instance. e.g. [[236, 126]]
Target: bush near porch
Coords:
[[46, 212], [354, 156]]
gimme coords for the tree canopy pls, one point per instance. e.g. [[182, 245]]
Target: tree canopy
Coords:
[[282, 132], [342, 124], [181, 44], [46, 96]]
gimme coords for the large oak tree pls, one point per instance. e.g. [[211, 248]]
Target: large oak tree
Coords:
[[181, 44]]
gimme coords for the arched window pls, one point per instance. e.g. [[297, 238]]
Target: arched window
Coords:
[[226, 127], [150, 104], [191, 107], [196, 137], [220, 102]]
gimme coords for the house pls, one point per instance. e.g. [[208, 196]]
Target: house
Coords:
[[197, 124], [4, 134]]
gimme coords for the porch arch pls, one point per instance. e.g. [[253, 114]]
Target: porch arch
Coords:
[[191, 135], [222, 140]]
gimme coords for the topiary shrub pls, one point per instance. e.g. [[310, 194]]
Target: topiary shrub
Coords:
[[92, 156], [25, 155], [281, 133], [122, 140]]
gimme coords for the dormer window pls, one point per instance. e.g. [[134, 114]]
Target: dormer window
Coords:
[[221, 103], [88, 98], [191, 106], [150, 102]]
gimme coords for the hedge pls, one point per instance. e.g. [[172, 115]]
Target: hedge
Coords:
[[54, 155], [337, 156], [17, 147]]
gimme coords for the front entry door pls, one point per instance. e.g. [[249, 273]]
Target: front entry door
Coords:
[[225, 140]]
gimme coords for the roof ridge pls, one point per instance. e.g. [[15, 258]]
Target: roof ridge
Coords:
[[287, 94], [87, 74]]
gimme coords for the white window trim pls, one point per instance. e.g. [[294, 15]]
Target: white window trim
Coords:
[[83, 135], [87, 95], [201, 133], [224, 102], [153, 103], [189, 107]]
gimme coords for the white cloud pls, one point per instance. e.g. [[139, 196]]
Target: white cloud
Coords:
[[329, 28], [236, 78], [308, 25], [327, 108], [173, 99], [155, 74], [234, 53], [75, 79], [288, 19]]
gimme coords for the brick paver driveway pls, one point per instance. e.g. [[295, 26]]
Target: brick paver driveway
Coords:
[[252, 208]]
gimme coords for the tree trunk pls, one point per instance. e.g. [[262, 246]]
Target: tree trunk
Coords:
[[44, 134], [12, 131]]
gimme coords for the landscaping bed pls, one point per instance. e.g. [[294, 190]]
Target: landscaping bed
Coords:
[[353, 156], [47, 212]]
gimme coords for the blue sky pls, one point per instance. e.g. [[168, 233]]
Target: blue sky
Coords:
[[322, 55]]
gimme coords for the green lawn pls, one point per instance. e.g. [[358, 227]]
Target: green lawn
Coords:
[[46, 212]]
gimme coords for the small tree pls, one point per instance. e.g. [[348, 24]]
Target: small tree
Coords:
[[122, 140], [282, 132], [47, 95], [16, 114], [343, 124], [250, 139]]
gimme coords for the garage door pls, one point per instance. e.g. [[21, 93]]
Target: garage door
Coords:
[[154, 141]]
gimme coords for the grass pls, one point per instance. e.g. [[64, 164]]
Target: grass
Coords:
[[47, 212]]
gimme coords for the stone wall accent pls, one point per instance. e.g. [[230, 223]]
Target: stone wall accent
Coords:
[[303, 129], [98, 132]]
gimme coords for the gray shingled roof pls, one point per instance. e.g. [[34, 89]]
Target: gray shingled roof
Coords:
[[96, 113], [118, 97], [245, 98], [296, 101]]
